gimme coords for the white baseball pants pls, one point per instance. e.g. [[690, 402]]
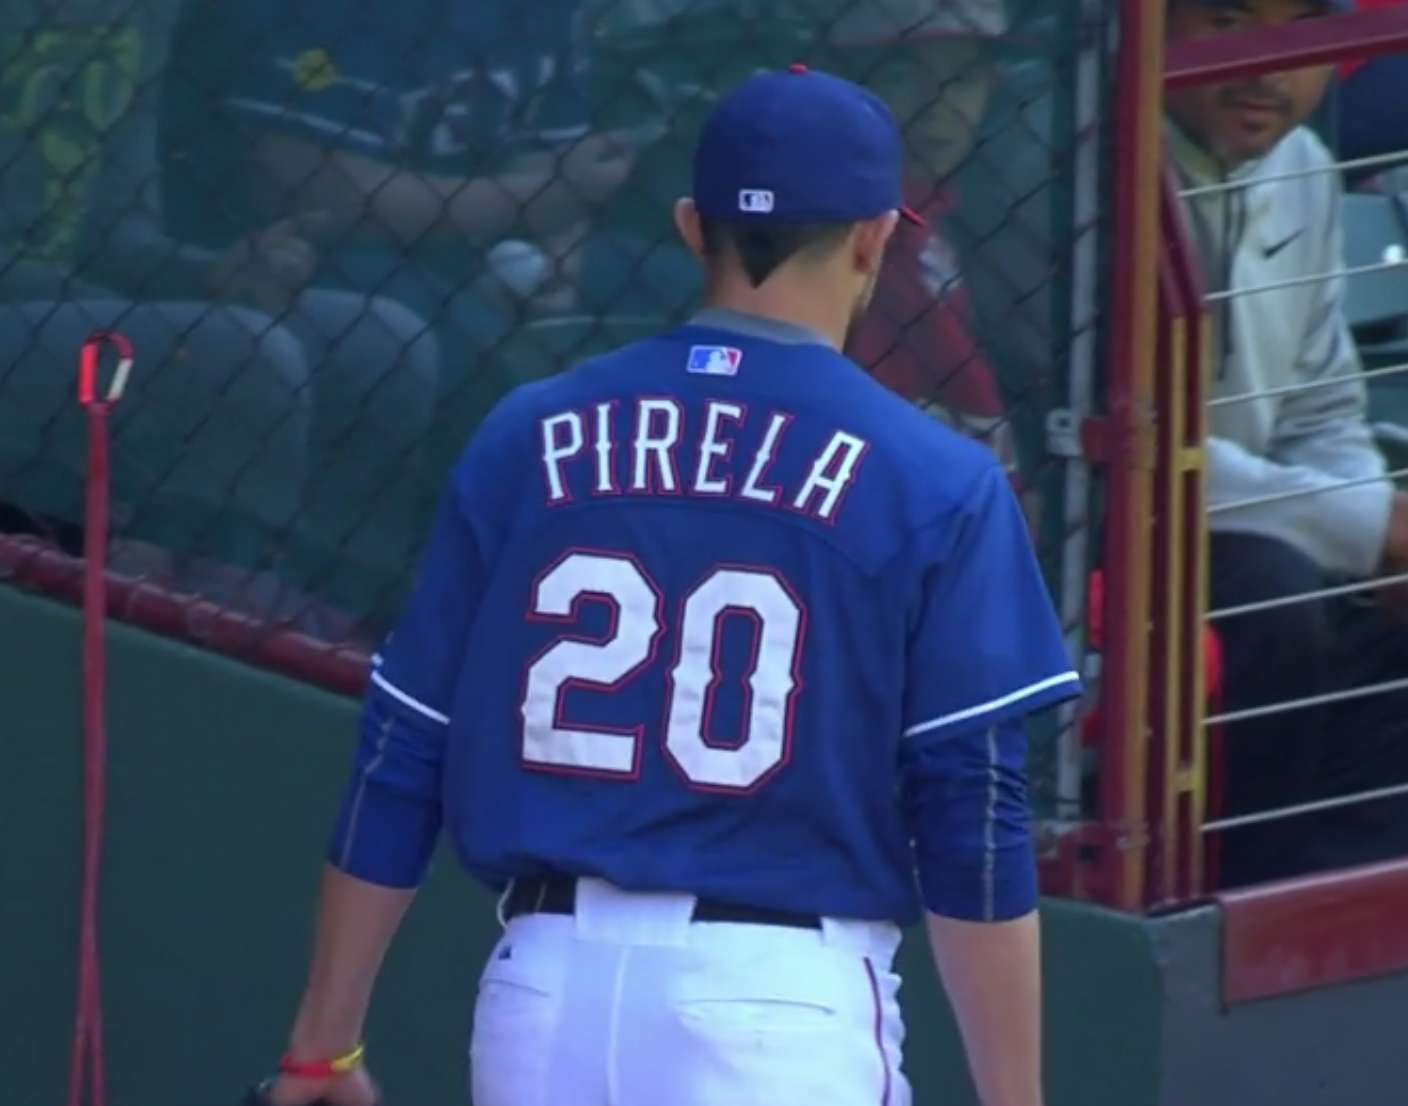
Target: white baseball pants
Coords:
[[630, 1003]]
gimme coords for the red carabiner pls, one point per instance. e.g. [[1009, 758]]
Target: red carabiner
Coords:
[[88, 366]]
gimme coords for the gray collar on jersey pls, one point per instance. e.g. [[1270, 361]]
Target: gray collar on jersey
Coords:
[[758, 326]]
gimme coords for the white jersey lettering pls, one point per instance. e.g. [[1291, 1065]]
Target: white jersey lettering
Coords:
[[711, 447], [605, 446], [762, 462], [557, 449], [832, 473], [658, 425]]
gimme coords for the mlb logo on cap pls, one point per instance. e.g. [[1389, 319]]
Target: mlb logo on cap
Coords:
[[714, 360], [759, 201]]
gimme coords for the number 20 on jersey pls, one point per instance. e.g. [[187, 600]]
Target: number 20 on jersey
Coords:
[[637, 629]]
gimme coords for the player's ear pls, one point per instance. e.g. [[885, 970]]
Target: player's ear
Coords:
[[687, 223], [870, 239]]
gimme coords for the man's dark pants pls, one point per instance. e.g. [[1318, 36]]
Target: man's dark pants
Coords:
[[1300, 651]]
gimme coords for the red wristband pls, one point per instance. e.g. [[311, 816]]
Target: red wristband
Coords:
[[322, 1069]]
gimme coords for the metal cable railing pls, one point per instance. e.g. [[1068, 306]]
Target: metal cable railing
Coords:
[[1305, 638], [1303, 493], [1309, 278], [1338, 591], [1368, 376], [1377, 161], [1287, 706], [1319, 806]]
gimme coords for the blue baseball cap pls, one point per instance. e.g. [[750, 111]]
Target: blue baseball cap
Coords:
[[799, 146]]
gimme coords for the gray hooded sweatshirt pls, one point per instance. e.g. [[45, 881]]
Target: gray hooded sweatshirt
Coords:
[[1283, 458]]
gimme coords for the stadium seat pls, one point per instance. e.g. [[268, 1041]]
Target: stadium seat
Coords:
[[1376, 304]]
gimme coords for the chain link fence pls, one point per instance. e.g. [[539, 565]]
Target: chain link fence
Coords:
[[338, 233]]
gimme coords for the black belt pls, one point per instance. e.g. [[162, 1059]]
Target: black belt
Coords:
[[557, 894]]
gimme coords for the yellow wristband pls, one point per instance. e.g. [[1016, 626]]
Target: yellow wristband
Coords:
[[348, 1060]]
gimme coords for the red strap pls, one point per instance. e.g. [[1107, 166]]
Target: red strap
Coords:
[[86, 1058]]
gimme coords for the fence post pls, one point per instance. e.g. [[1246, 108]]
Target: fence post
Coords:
[[1125, 662]]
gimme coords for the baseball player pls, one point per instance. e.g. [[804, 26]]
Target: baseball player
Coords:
[[716, 668]]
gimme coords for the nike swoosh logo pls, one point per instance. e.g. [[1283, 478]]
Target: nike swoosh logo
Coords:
[[1272, 251]]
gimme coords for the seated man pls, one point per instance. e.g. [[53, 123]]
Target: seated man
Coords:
[[247, 383], [1297, 490]]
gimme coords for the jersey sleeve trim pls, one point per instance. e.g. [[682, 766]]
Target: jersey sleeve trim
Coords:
[[967, 801], [358, 793], [408, 700], [1043, 692], [990, 827], [389, 819]]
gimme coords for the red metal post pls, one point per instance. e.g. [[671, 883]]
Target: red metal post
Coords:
[[1130, 416], [1305, 42]]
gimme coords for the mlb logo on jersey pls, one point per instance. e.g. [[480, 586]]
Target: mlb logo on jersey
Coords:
[[714, 360], [756, 201]]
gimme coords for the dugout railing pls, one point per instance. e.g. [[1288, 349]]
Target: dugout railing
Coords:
[[1151, 840], [1189, 731]]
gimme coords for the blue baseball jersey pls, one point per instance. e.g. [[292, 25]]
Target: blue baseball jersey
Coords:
[[717, 613]]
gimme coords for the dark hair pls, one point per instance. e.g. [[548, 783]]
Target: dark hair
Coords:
[[762, 248]]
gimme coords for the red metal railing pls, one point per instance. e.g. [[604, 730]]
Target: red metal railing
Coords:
[[188, 618], [1178, 749], [1153, 767], [1335, 38]]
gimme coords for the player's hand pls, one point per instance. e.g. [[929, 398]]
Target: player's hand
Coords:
[[356, 1088], [271, 267]]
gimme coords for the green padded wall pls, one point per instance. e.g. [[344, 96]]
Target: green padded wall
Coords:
[[222, 783]]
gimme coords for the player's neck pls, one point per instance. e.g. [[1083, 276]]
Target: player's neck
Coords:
[[785, 305]]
